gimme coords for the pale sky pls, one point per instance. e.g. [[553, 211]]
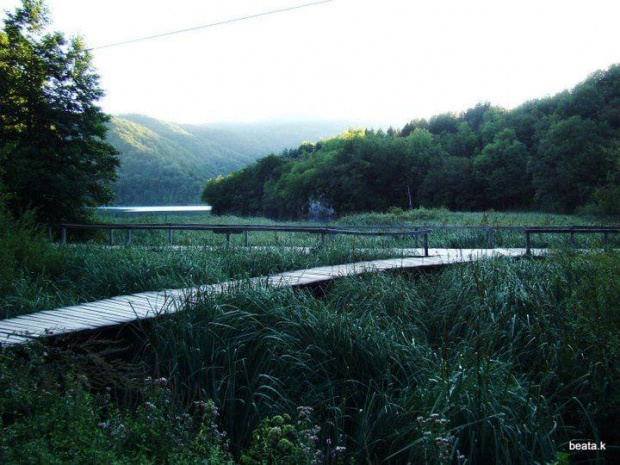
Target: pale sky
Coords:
[[379, 62]]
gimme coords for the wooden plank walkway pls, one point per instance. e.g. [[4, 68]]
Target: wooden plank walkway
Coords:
[[125, 309]]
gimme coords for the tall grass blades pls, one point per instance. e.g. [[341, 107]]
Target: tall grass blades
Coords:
[[485, 362]]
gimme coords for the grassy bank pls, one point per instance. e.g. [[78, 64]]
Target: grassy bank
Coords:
[[417, 217], [516, 356], [441, 217], [39, 276], [83, 273], [501, 361], [435, 218]]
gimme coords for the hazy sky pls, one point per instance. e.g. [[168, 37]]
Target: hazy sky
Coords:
[[368, 61]]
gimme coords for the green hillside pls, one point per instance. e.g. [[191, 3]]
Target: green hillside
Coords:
[[558, 154], [166, 163]]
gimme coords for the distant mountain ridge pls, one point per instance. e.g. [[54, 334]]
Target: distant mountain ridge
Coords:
[[165, 163]]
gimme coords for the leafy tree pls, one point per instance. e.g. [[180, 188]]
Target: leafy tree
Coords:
[[450, 183], [555, 153], [607, 197], [475, 116], [502, 167], [51, 131], [569, 165], [446, 122], [494, 121], [412, 126]]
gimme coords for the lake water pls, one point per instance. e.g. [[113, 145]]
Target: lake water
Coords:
[[158, 209]]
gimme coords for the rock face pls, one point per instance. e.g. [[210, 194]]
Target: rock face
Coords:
[[317, 211]]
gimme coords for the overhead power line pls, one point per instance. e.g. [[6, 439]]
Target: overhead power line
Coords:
[[204, 26]]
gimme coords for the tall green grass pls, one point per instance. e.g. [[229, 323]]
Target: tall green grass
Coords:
[[442, 217], [465, 238], [500, 361], [82, 273]]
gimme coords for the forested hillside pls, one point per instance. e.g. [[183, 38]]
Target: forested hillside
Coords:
[[166, 163], [560, 153]]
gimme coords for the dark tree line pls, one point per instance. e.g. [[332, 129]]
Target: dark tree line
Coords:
[[555, 154], [53, 157]]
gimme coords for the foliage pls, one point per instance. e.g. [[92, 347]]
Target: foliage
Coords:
[[570, 165], [551, 154], [607, 197], [49, 415], [51, 130], [281, 440], [509, 361], [166, 164], [43, 277], [442, 216], [516, 356], [22, 247], [501, 166], [37, 275]]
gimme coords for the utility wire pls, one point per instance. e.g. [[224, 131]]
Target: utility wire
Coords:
[[219, 23]]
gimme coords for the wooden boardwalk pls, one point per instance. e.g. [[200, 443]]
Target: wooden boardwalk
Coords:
[[125, 309]]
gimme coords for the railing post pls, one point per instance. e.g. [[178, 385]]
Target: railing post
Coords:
[[63, 235], [572, 239], [426, 244], [111, 237], [246, 238], [528, 244], [417, 241], [50, 235], [128, 240], [228, 240], [605, 239], [490, 238], [170, 236]]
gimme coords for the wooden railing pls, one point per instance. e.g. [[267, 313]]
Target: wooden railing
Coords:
[[572, 230], [325, 231], [229, 230], [492, 230]]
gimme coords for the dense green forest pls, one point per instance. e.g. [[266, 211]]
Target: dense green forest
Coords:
[[557, 154], [54, 160], [165, 163]]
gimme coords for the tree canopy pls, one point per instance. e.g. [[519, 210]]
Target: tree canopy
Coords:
[[53, 156], [557, 154], [165, 163]]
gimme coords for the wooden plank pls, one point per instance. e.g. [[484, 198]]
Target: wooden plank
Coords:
[[121, 315], [308, 275], [24, 333], [290, 281], [83, 315], [84, 312], [140, 308], [21, 325], [127, 308], [58, 316], [126, 300], [150, 307], [50, 321], [143, 296], [13, 339], [113, 308]]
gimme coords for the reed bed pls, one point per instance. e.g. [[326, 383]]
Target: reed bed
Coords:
[[74, 274], [500, 361]]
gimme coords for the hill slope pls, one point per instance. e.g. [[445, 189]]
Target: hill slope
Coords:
[[559, 154], [166, 163]]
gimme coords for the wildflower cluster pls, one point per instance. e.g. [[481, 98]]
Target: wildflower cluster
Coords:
[[438, 440], [280, 439]]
